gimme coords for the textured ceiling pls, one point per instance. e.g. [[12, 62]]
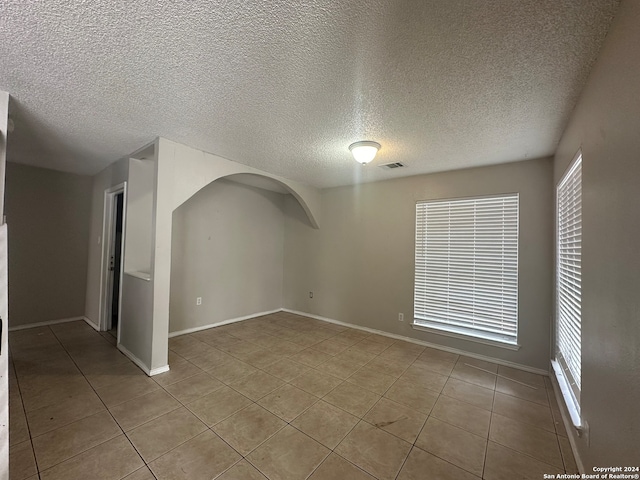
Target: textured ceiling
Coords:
[[286, 86]]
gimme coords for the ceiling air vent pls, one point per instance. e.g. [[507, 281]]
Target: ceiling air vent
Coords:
[[392, 165]]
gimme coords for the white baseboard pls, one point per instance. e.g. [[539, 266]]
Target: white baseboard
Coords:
[[50, 322], [224, 322], [141, 365], [486, 358], [159, 370], [92, 324]]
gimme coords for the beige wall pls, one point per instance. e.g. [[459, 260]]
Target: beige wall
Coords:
[[48, 217], [113, 175], [360, 264], [227, 247], [606, 125]]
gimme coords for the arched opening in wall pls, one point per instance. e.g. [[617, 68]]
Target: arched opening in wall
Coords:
[[227, 252]]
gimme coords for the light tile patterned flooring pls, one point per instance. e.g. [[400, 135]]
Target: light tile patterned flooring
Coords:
[[282, 397]]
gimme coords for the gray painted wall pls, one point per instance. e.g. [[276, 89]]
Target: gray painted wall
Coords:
[[4, 133], [48, 214], [136, 327], [606, 125], [360, 264], [139, 228], [227, 247], [136, 320]]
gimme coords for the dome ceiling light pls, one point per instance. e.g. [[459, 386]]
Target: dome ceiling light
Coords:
[[365, 151]]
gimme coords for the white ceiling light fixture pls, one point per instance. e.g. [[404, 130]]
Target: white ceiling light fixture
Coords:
[[364, 151]]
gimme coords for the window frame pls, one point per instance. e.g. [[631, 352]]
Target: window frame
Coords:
[[569, 385], [447, 329]]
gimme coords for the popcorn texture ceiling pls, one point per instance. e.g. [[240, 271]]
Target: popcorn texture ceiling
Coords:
[[286, 86]]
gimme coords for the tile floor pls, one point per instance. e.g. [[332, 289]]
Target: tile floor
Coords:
[[279, 397]]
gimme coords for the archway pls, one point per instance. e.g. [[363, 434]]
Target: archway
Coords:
[[181, 172], [227, 252]]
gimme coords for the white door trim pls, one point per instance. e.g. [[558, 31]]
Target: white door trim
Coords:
[[107, 235], [4, 357]]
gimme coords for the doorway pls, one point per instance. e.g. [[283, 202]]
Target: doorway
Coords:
[[112, 264], [115, 264]]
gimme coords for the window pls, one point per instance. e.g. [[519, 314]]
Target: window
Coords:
[[568, 280], [466, 277]]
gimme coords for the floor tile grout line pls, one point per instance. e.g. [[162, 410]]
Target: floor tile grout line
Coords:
[[360, 419], [456, 426], [342, 381], [254, 448], [404, 462], [445, 460], [24, 412], [486, 448], [308, 347], [210, 428], [105, 405], [229, 385], [240, 460], [524, 400], [465, 402], [107, 409], [26, 418], [357, 466], [524, 454], [442, 458], [562, 455], [77, 454]]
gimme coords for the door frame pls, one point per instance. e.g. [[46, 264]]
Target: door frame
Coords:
[[108, 237], [4, 353]]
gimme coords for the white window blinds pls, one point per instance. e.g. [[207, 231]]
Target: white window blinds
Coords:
[[466, 267], [568, 275]]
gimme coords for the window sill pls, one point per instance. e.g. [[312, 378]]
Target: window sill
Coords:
[[569, 400], [484, 341]]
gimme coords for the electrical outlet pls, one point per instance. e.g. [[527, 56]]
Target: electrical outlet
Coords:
[[310, 294], [198, 300], [401, 317]]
